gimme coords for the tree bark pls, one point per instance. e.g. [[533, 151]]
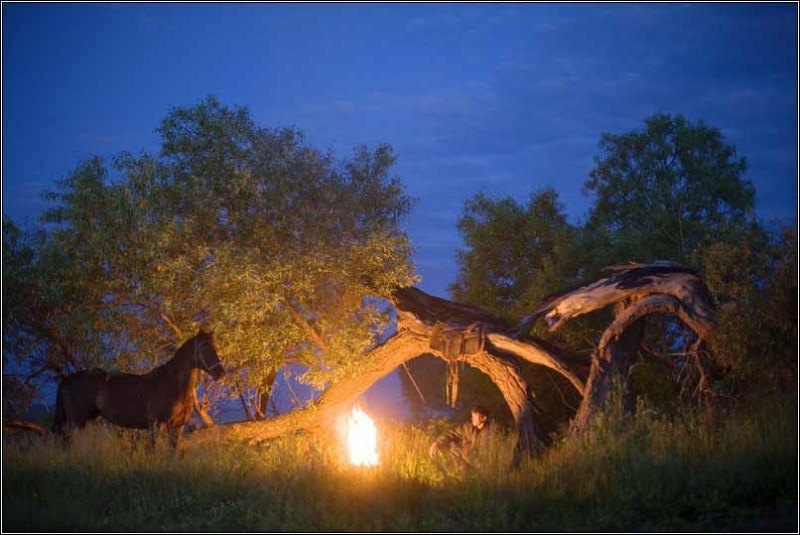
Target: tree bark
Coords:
[[611, 365], [264, 393], [535, 354], [616, 352], [633, 282], [420, 312]]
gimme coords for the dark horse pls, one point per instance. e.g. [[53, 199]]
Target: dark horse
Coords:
[[161, 398]]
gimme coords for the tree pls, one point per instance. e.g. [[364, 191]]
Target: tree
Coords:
[[42, 298], [513, 257], [637, 292], [419, 318], [663, 191], [232, 226], [510, 250], [754, 281], [677, 190]]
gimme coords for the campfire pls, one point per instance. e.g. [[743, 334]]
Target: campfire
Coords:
[[362, 439]]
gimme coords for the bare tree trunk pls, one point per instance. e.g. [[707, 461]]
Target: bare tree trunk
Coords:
[[611, 366], [505, 374], [616, 352], [536, 354], [503, 371], [264, 393], [202, 412], [418, 314]]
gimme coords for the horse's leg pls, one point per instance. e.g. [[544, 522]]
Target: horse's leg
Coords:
[[154, 428], [60, 418], [73, 418]]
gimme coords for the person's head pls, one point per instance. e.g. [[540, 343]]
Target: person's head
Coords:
[[480, 415]]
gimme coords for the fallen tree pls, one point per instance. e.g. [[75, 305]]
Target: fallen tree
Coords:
[[420, 318], [459, 332]]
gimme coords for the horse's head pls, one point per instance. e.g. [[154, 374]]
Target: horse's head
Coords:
[[205, 355]]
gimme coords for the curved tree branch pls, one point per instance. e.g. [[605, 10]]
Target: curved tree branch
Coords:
[[616, 351], [635, 282], [638, 291], [534, 354], [418, 314]]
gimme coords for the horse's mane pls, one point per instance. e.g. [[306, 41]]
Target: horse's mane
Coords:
[[181, 353]]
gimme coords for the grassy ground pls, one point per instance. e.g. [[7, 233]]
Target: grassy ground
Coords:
[[655, 474]]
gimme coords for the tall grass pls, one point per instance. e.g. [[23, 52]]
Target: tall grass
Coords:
[[651, 474]]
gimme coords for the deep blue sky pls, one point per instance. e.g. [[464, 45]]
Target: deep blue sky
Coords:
[[505, 98]]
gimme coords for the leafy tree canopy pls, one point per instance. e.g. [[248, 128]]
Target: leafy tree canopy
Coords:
[[665, 190], [232, 226], [509, 248]]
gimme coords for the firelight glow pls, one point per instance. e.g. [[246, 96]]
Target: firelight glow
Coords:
[[362, 439]]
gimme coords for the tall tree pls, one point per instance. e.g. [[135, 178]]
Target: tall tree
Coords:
[[511, 250], [662, 191], [677, 190], [237, 227], [515, 255]]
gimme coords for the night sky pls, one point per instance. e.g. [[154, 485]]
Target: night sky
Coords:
[[501, 98]]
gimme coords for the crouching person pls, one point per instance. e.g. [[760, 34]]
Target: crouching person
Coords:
[[465, 443]]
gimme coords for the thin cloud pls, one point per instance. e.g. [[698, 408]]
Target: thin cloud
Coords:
[[466, 19]]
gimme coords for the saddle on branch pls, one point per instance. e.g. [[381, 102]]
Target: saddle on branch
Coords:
[[456, 342]]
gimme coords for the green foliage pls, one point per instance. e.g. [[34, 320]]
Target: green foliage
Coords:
[[510, 250], [516, 255], [754, 281], [242, 229], [46, 296], [654, 475], [663, 191]]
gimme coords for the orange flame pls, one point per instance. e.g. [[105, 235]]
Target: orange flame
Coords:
[[362, 439]]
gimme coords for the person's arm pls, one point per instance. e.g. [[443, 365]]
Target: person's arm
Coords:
[[454, 436]]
